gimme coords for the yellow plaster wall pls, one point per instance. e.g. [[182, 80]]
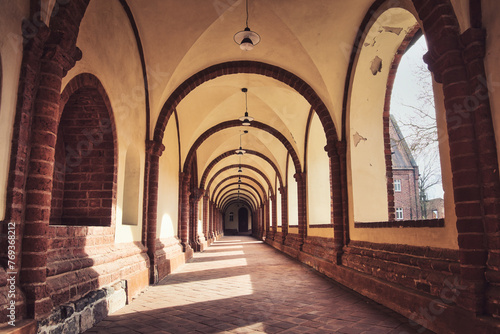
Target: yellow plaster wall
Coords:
[[491, 23], [326, 232], [110, 53], [11, 57], [445, 237], [318, 175], [367, 177], [168, 184], [293, 230], [461, 9], [279, 215], [293, 205]]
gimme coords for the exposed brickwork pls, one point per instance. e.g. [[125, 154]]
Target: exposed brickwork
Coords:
[[235, 67], [408, 197], [301, 179], [184, 214], [457, 63], [284, 212], [420, 268], [216, 194], [82, 259], [153, 153], [237, 123], [338, 194], [84, 172], [243, 166], [245, 195], [227, 154]]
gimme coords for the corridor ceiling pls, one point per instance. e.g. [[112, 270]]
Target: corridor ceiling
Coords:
[[313, 40]]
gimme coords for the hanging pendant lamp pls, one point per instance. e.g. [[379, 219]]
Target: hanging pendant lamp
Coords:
[[241, 151], [246, 38], [246, 120]]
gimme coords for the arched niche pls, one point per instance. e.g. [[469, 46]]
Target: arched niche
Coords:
[[85, 162]]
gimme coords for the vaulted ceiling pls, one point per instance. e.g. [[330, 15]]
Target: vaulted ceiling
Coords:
[[312, 41]]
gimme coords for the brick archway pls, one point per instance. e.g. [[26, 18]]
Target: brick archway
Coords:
[[237, 176], [227, 195], [237, 123], [231, 153], [254, 67], [258, 171]]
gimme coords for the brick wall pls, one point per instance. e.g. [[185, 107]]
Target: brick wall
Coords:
[[84, 173]]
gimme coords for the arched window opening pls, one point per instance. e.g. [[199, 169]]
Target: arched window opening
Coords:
[[131, 189], [416, 167], [84, 169], [293, 203], [318, 175]]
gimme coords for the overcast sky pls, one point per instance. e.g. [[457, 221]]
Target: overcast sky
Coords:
[[406, 92]]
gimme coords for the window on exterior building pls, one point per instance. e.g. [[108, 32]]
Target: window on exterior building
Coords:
[[435, 214], [397, 185], [231, 216], [399, 213]]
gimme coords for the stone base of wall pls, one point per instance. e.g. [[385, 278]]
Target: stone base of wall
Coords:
[[78, 316], [377, 271]]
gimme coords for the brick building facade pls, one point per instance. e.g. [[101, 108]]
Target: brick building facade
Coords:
[[405, 176]]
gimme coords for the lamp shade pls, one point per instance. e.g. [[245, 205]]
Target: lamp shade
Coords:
[[246, 39]]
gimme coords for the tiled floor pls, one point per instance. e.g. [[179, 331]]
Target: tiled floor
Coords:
[[240, 285]]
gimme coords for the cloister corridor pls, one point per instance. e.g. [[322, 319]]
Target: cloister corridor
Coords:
[[241, 285]]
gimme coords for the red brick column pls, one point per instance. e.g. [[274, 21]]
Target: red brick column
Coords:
[[54, 64], [474, 42], [184, 204], [206, 222], [457, 62], [274, 215], [153, 152], [336, 154], [302, 205], [15, 209], [284, 212], [194, 204]]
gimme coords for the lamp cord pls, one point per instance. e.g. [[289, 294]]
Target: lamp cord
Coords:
[[247, 12], [246, 99]]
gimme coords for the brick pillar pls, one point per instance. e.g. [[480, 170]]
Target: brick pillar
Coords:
[[206, 222], [54, 64], [194, 204], [210, 220], [221, 220], [153, 152], [284, 212], [336, 155], [275, 216], [301, 179], [474, 43], [15, 209], [184, 178], [470, 161]]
